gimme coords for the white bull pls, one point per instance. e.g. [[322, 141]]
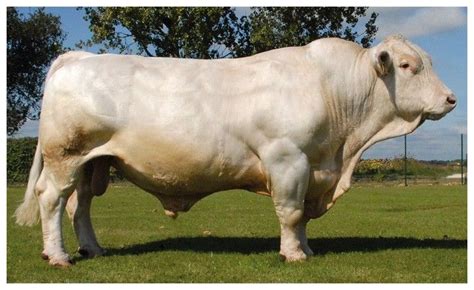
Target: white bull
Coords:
[[288, 123]]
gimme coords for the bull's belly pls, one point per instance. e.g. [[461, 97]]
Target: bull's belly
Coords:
[[177, 170], [178, 188], [182, 181], [174, 162]]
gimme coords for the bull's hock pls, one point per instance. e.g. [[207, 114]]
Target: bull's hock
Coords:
[[289, 123]]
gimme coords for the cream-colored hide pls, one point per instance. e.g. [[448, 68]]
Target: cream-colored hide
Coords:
[[290, 123]]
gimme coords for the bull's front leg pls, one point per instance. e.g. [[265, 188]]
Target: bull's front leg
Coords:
[[288, 170], [303, 238]]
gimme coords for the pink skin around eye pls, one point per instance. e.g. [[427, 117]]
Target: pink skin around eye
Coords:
[[411, 63]]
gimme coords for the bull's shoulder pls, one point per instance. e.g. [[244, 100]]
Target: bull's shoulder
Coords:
[[286, 55], [329, 48], [334, 42]]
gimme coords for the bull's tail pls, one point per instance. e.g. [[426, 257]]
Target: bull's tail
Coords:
[[28, 212]]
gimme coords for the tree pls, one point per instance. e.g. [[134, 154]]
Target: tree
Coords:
[[274, 27], [32, 43], [216, 32], [192, 32]]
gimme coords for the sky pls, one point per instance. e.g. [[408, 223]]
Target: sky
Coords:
[[440, 31]]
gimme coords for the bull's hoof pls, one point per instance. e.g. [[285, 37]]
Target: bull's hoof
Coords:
[[293, 257], [83, 252], [89, 253], [61, 263], [44, 256]]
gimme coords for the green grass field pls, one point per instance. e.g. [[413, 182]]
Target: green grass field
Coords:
[[373, 234]]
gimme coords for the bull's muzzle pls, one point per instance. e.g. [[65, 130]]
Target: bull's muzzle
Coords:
[[441, 111], [451, 100]]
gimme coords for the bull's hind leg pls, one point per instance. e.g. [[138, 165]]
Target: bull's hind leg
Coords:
[[53, 191], [78, 208], [289, 182], [40, 188]]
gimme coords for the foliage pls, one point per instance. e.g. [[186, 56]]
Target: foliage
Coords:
[[274, 27], [373, 234], [32, 43], [216, 32], [192, 32]]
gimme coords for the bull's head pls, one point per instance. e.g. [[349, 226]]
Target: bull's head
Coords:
[[408, 74]]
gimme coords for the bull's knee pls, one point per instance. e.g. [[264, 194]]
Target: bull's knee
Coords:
[[289, 216]]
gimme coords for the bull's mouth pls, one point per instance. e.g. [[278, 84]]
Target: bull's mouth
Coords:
[[434, 117], [428, 116]]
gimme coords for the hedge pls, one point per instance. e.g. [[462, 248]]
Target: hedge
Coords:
[[20, 153]]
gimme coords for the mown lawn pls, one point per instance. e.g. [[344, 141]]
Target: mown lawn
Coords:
[[373, 234]]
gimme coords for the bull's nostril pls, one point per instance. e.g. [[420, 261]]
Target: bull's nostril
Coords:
[[451, 99]]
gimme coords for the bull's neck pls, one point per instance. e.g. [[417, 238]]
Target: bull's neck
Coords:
[[350, 100], [378, 122]]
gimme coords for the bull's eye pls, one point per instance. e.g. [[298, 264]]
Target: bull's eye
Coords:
[[405, 65]]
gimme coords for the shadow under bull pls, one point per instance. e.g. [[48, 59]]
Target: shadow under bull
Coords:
[[321, 246]]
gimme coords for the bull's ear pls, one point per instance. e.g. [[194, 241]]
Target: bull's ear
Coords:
[[383, 63]]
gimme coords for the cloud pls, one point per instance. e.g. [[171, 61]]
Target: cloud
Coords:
[[415, 22]]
